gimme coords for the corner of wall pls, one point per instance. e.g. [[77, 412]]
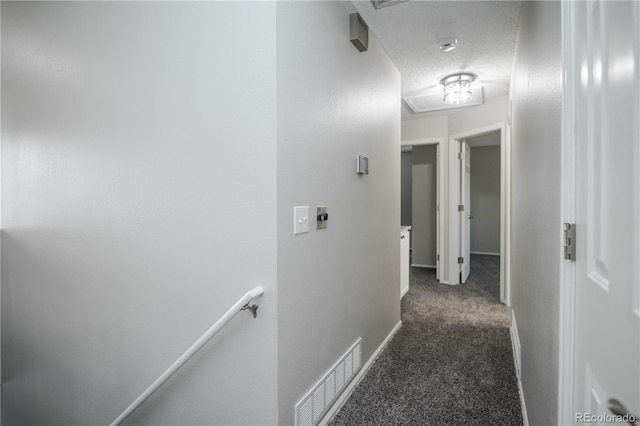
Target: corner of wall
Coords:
[[535, 95], [340, 283]]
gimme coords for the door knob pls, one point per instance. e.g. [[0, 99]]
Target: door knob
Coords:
[[617, 408]]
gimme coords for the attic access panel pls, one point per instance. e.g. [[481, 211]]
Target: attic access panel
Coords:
[[435, 101], [378, 4]]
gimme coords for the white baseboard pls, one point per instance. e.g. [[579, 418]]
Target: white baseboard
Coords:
[[517, 361], [417, 265], [405, 291], [525, 418], [484, 252], [356, 380]]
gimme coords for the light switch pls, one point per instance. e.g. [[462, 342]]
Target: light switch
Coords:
[[300, 220]]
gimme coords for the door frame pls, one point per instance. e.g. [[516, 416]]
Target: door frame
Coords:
[[439, 142], [568, 211], [464, 217], [505, 203]]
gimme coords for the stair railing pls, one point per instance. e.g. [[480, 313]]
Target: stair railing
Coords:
[[240, 305]]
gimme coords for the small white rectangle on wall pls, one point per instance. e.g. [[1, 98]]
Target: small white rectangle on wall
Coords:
[[362, 165], [317, 401]]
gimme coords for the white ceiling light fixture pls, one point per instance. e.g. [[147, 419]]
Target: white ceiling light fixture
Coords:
[[457, 87]]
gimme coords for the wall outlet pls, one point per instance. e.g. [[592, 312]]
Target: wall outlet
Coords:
[[322, 217]]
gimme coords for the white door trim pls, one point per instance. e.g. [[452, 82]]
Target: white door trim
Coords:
[[439, 142], [464, 216], [567, 199], [505, 204]]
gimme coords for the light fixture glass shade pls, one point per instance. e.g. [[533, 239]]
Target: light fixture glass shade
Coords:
[[457, 88]]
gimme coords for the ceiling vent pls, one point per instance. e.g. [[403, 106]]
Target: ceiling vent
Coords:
[[435, 101], [379, 4]]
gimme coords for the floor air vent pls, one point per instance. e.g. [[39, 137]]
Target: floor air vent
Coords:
[[316, 402]]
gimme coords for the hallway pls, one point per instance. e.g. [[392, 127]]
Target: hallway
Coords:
[[450, 363]]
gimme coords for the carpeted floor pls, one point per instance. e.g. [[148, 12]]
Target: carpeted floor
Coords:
[[449, 364]]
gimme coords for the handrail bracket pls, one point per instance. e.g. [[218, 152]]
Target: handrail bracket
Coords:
[[252, 308]]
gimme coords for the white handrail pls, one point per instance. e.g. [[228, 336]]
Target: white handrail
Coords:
[[232, 312]]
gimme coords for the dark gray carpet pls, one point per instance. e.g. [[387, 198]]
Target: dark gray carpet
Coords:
[[449, 364]]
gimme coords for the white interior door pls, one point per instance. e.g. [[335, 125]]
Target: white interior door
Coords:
[[607, 289], [465, 215]]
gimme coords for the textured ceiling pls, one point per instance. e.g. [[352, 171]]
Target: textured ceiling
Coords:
[[410, 31]]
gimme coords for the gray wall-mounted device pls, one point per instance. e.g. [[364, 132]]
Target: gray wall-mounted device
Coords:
[[359, 32], [362, 165]]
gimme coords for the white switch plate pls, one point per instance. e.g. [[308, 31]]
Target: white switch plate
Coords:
[[300, 220]]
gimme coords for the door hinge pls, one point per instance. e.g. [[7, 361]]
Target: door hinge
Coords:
[[438, 257], [461, 260], [460, 207], [460, 156], [570, 241]]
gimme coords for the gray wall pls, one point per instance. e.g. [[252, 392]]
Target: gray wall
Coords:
[[468, 119], [135, 198], [138, 205], [424, 205], [406, 166], [440, 127], [340, 283], [485, 199], [536, 221]]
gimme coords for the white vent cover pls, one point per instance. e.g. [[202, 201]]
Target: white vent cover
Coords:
[[316, 402], [435, 101]]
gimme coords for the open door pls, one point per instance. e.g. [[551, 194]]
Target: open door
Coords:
[[607, 144], [465, 212]]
